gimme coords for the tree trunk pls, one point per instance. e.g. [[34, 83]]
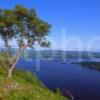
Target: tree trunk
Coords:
[[10, 71], [12, 66]]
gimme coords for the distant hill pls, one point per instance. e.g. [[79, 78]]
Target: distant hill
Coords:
[[56, 53]]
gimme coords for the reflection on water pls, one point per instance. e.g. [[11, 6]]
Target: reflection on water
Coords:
[[81, 82]]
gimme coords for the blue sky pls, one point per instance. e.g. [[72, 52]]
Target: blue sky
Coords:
[[80, 18]]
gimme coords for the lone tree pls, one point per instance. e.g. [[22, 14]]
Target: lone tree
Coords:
[[23, 25]]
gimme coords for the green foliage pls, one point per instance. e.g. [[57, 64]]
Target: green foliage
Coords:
[[23, 24], [3, 61]]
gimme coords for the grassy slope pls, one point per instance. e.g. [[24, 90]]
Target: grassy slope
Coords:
[[24, 86]]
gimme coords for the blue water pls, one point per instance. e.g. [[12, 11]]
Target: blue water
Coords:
[[82, 83]]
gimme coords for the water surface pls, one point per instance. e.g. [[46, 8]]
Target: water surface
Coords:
[[81, 82]]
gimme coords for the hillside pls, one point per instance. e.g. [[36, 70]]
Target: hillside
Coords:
[[55, 53], [23, 86]]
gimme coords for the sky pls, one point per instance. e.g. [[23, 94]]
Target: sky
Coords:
[[75, 23]]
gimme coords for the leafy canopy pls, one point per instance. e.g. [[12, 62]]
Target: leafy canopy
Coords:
[[24, 25]]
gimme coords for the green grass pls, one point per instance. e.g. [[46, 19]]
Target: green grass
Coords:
[[24, 86]]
